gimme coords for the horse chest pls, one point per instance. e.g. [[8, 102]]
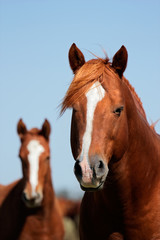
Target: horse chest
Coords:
[[42, 228], [34, 228], [143, 226]]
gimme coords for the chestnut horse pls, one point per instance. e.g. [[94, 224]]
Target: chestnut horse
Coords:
[[29, 208], [115, 149]]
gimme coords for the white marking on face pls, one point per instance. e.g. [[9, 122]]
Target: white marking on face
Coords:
[[95, 94], [35, 149]]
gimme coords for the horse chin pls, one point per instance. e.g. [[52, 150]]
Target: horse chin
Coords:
[[92, 189], [32, 203]]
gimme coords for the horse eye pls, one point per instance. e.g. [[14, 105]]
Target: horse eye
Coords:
[[118, 111], [48, 158]]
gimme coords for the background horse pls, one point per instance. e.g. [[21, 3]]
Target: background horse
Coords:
[[29, 208], [115, 149]]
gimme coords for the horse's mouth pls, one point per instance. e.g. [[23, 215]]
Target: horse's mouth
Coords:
[[32, 203], [92, 189]]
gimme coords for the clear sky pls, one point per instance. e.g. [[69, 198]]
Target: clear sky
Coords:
[[35, 36]]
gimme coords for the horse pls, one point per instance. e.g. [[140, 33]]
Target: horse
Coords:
[[116, 152], [29, 208]]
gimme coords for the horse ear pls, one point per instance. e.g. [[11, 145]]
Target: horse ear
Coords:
[[120, 61], [21, 128], [76, 58], [46, 129]]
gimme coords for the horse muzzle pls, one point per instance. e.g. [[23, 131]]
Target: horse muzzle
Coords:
[[32, 201], [91, 174]]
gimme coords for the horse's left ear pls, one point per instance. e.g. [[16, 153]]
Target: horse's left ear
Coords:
[[119, 62], [21, 129], [46, 129]]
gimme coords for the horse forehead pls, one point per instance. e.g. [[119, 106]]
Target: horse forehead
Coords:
[[98, 91], [95, 93], [35, 147]]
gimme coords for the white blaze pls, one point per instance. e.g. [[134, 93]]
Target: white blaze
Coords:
[[95, 94], [35, 149]]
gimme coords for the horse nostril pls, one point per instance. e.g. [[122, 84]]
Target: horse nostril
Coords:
[[38, 195], [78, 170], [101, 164], [24, 196], [99, 169]]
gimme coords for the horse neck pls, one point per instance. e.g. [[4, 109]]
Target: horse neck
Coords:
[[136, 177], [48, 193], [137, 173]]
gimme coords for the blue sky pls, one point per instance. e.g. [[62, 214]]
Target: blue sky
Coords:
[[35, 37]]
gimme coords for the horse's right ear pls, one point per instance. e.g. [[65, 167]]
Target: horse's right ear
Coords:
[[21, 129], [76, 58]]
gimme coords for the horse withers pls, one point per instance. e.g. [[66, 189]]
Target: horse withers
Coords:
[[116, 151], [29, 208]]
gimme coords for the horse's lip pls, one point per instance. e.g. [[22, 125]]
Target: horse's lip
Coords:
[[31, 203], [90, 189]]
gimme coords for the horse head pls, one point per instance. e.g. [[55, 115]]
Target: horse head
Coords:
[[99, 131], [35, 155]]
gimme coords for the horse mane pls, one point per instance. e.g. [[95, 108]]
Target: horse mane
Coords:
[[88, 74], [91, 72], [153, 124], [136, 98]]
